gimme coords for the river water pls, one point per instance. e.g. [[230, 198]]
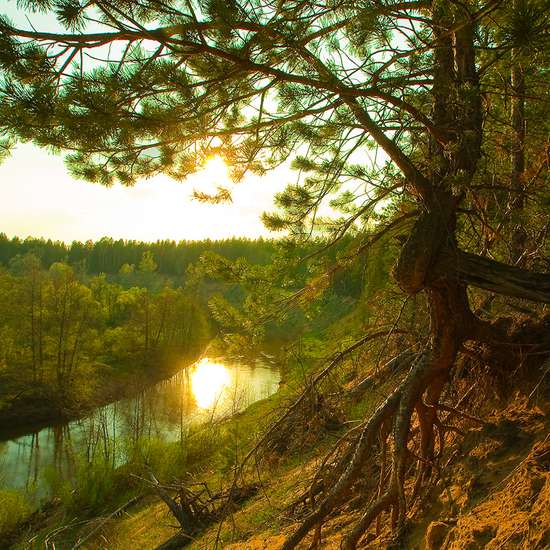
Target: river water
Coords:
[[212, 388]]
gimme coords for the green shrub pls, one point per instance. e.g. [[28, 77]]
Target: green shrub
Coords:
[[96, 485]]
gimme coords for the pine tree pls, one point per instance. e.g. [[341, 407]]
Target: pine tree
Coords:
[[384, 109]]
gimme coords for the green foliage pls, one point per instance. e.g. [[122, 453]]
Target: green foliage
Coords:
[[123, 258], [231, 453], [67, 330], [342, 91], [14, 509], [147, 263], [95, 485], [59, 327], [386, 111]]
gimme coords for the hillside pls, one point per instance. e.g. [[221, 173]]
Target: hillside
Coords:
[[490, 487]]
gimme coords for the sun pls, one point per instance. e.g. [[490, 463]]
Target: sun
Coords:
[[215, 170], [211, 177]]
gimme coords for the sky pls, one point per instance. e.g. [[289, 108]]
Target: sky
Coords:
[[39, 198]]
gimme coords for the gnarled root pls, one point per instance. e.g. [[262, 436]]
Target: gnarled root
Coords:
[[396, 411], [334, 497], [406, 425]]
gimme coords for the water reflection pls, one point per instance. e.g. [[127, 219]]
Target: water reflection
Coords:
[[208, 382], [212, 388]]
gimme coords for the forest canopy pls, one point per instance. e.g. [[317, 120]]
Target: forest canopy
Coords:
[[423, 121]]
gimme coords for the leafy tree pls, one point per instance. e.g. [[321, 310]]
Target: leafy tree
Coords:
[[385, 109], [9, 327], [31, 300], [117, 257], [59, 331], [147, 263], [106, 295], [150, 324], [72, 313]]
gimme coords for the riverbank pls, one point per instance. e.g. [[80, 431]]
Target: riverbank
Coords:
[[25, 410], [495, 494]]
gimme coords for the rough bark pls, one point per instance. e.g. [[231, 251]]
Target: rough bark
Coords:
[[494, 276], [433, 230]]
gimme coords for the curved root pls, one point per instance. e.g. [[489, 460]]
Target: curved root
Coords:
[[397, 409], [410, 447], [350, 473]]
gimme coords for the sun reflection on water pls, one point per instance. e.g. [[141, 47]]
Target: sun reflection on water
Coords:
[[208, 381]]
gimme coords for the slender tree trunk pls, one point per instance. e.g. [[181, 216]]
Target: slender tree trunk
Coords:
[[147, 324], [40, 330], [161, 323], [517, 156], [61, 342], [33, 329], [74, 358]]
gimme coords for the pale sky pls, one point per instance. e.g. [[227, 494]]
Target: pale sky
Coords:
[[40, 199]]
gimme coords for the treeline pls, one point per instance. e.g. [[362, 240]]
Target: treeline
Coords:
[[111, 255]]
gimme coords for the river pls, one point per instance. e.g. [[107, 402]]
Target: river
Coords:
[[212, 388]]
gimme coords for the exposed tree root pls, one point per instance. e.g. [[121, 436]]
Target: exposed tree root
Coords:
[[412, 424], [416, 443], [397, 409], [419, 393]]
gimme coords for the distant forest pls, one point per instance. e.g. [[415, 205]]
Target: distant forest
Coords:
[[110, 256]]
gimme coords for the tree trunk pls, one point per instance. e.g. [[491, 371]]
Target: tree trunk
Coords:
[[517, 155], [494, 276], [431, 262]]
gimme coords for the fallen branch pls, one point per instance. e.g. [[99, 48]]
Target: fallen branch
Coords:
[[195, 508]]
